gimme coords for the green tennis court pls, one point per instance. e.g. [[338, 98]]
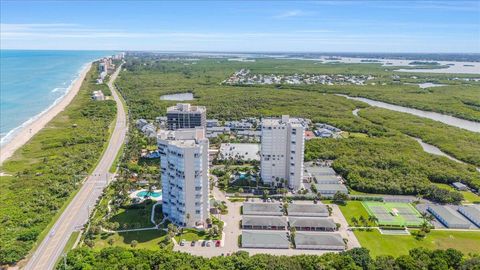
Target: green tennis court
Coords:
[[394, 213]]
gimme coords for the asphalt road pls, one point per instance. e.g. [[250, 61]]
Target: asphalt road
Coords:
[[77, 212]]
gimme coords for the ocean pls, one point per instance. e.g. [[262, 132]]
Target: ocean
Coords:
[[33, 81]]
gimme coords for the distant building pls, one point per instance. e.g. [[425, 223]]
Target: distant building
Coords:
[[460, 186], [212, 123], [102, 67], [98, 95], [184, 174], [249, 134], [319, 241], [472, 212], [448, 217], [183, 115], [149, 130], [213, 132], [307, 210], [312, 224], [282, 147], [264, 223], [331, 189]]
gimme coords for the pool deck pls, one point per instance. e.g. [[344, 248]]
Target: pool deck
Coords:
[[136, 192]]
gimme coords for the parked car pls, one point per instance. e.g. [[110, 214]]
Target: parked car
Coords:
[[182, 242], [204, 243], [217, 243], [209, 243], [193, 243]]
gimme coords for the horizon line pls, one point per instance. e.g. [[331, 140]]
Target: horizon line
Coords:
[[238, 52]]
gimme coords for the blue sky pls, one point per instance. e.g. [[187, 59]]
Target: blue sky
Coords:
[[316, 26]]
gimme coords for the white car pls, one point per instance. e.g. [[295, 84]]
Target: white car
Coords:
[[182, 242], [209, 243]]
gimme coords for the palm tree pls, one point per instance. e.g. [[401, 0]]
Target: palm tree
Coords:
[[363, 220], [285, 208], [330, 210], [354, 221], [372, 219]]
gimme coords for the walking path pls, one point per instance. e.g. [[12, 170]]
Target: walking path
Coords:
[[77, 212]]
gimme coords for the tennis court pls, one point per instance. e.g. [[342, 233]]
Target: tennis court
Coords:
[[393, 213]]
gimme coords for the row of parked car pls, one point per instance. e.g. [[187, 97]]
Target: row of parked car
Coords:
[[203, 243]]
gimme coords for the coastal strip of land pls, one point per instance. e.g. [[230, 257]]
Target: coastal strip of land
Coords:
[[27, 132], [78, 211]]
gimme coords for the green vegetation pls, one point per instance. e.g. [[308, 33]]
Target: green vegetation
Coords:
[[48, 170], [195, 235], [352, 211], [459, 143], [392, 164], [355, 259], [396, 245], [134, 216], [375, 159], [71, 241], [236, 199], [467, 195], [150, 239]]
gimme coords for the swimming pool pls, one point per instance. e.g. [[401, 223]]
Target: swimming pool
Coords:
[[144, 193]]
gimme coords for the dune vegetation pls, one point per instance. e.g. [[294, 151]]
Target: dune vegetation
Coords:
[[46, 171]]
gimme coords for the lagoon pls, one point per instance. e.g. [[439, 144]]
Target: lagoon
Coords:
[[178, 97], [446, 119]]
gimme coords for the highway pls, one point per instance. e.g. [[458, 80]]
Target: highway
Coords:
[[77, 212]]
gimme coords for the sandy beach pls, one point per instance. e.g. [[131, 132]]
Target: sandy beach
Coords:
[[27, 132]]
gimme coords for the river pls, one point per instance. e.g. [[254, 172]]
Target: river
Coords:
[[446, 119], [436, 151]]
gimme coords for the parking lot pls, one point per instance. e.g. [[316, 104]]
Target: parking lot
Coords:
[[232, 231]]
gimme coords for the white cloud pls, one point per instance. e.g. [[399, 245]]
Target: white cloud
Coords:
[[289, 14]]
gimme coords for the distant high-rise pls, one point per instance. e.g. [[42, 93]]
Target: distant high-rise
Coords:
[[184, 174], [186, 116], [282, 147]]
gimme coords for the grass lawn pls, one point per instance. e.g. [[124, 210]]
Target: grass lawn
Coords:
[[71, 242], [353, 209], [396, 245], [194, 235], [146, 239], [236, 199], [129, 218], [469, 196]]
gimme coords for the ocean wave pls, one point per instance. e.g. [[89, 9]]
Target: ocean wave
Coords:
[[10, 134], [58, 89]]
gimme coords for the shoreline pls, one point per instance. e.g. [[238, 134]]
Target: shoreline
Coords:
[[27, 131]]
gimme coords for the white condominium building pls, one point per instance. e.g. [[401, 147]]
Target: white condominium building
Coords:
[[282, 151], [184, 173]]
